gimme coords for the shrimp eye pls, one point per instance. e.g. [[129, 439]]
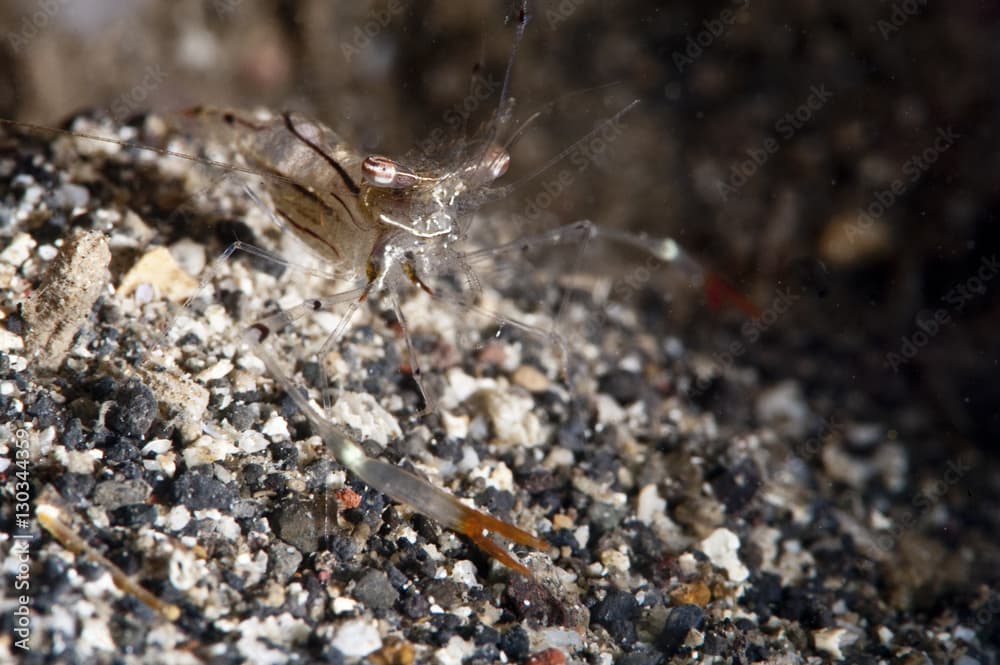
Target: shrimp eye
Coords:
[[383, 172]]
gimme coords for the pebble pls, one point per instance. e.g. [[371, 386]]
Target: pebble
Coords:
[[649, 504], [695, 593], [133, 515], [530, 378], [276, 428], [158, 269], [265, 641], [134, 410], [112, 494], [454, 652], [251, 441], [373, 590], [513, 419], [70, 196], [76, 487], [217, 371], [356, 638], [515, 643], [19, 249], [298, 524], [283, 562], [199, 490], [364, 413], [182, 396], [783, 407], [189, 255], [679, 622], [623, 385], [550, 656], [828, 640], [722, 548], [617, 612], [177, 518]]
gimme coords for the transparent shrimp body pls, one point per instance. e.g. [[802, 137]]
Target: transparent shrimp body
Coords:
[[371, 213], [396, 222]]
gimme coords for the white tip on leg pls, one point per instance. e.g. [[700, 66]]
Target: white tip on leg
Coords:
[[667, 250]]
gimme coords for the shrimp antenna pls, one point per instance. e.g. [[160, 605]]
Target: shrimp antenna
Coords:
[[547, 108], [140, 146], [522, 22], [502, 192]]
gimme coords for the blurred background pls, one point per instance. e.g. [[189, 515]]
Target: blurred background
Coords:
[[835, 162]]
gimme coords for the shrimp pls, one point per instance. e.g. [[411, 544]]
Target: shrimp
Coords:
[[396, 224]]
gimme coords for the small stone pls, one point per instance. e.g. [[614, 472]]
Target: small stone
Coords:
[[515, 643], [722, 548], [551, 656], [696, 593], [300, 525], [784, 407], [649, 504], [454, 652], [158, 269], [364, 413], [394, 652], [530, 378], [134, 411], [69, 196], [113, 494], [133, 515], [679, 622], [181, 397], [853, 239], [347, 498], [624, 386], [513, 420], [199, 490], [356, 638], [375, 591], [283, 561], [828, 640], [617, 613]]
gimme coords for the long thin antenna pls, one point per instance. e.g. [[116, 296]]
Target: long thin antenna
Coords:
[[140, 146], [504, 191]]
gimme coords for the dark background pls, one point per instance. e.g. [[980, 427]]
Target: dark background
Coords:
[[897, 73]]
